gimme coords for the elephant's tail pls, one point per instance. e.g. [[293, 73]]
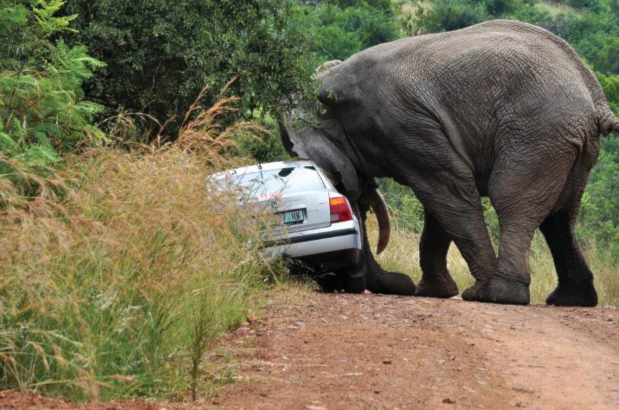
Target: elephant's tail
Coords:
[[607, 121]]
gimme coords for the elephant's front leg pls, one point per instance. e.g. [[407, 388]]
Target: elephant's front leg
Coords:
[[433, 247], [456, 207]]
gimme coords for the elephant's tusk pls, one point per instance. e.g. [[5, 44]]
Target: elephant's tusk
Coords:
[[384, 219]]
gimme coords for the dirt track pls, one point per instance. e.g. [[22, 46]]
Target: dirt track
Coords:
[[328, 351], [355, 352]]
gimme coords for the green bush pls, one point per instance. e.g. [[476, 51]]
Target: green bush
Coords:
[[405, 208], [451, 15], [600, 214], [610, 84], [42, 106], [161, 53], [343, 28], [122, 291]]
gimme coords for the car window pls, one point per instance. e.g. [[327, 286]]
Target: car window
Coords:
[[285, 181]]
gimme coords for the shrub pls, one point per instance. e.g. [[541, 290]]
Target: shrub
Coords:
[[343, 28], [42, 110], [121, 287], [42, 107], [450, 15], [161, 53]]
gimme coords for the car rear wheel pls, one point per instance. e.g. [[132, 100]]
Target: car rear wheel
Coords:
[[354, 279], [355, 285], [347, 280], [329, 282]]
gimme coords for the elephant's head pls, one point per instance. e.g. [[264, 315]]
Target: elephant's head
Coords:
[[322, 139]]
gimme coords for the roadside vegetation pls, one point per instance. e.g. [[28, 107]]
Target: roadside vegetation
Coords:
[[118, 269], [119, 289]]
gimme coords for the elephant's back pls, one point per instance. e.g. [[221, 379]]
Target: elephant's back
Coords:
[[487, 87], [437, 51], [500, 68], [502, 51]]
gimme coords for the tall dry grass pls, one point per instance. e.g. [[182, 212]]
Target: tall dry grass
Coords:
[[402, 255], [119, 287]]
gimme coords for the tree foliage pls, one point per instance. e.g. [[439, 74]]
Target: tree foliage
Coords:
[[341, 28], [42, 109], [161, 53], [42, 106]]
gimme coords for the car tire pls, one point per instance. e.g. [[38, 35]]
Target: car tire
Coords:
[[355, 284], [330, 283]]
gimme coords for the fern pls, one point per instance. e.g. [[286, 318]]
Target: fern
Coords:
[[42, 111], [44, 12]]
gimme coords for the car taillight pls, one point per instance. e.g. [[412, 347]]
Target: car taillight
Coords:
[[340, 210]]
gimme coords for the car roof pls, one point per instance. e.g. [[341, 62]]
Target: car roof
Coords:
[[297, 163]]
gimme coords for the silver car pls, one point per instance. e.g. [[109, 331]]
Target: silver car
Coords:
[[317, 229]]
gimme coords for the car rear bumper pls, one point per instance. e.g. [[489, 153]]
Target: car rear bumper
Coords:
[[332, 247], [330, 261]]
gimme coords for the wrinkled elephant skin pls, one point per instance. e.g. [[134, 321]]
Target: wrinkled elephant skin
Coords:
[[500, 109]]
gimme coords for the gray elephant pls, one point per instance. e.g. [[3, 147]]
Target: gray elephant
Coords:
[[501, 109]]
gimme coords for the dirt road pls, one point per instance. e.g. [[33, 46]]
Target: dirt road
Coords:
[[328, 351], [333, 351]]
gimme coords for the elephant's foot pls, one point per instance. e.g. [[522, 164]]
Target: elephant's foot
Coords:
[[443, 287], [498, 290], [391, 283], [585, 296]]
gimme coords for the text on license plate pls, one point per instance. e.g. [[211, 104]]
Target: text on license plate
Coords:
[[292, 217]]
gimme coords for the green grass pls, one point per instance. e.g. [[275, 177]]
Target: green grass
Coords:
[[122, 288]]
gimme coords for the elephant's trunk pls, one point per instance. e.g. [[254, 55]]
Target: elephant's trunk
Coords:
[[379, 281], [377, 202]]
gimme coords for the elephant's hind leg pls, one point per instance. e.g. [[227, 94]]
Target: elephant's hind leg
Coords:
[[575, 278], [523, 191], [436, 280]]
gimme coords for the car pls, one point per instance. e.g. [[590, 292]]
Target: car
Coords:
[[317, 230]]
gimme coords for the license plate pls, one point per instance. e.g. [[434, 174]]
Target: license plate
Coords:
[[292, 217]]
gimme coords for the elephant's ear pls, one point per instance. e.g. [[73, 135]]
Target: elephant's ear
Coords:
[[286, 140], [324, 78], [315, 142]]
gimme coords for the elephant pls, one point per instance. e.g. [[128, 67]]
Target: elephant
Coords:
[[501, 109]]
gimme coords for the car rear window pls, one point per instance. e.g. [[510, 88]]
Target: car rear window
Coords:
[[285, 180]]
